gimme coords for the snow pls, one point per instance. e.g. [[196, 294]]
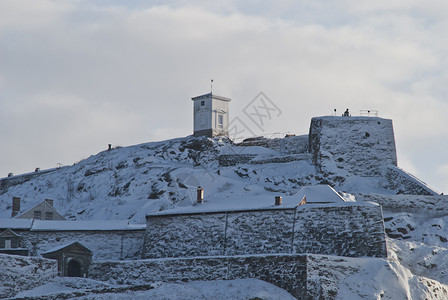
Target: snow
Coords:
[[50, 225], [320, 194], [124, 185], [16, 223], [220, 289], [60, 247], [46, 289], [41, 225]]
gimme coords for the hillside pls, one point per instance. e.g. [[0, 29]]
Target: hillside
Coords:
[[129, 182]]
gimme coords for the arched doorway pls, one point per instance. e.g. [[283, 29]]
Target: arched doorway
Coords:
[[73, 269]]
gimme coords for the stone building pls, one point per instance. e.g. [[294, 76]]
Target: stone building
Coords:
[[211, 115], [114, 239], [73, 259], [11, 243]]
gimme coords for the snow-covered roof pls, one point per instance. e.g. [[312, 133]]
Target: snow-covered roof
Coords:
[[40, 225], [210, 95], [50, 225], [322, 193], [319, 194], [16, 223], [54, 249]]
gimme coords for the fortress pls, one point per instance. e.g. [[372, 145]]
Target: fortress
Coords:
[[270, 242]]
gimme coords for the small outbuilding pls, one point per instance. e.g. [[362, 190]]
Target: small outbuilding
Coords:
[[73, 259], [11, 243]]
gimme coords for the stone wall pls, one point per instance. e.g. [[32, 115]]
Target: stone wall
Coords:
[[288, 145], [404, 183], [226, 160], [345, 230], [350, 230], [19, 273], [360, 145], [105, 245], [285, 271], [430, 206]]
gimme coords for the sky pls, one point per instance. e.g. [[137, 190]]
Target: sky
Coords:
[[76, 76]]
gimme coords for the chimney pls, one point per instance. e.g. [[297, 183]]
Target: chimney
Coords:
[[49, 201], [278, 200], [110, 147], [200, 195], [15, 206]]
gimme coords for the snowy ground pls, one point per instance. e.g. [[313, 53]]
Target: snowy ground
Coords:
[[128, 183], [219, 289]]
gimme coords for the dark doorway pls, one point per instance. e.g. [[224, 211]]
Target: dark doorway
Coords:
[[74, 269]]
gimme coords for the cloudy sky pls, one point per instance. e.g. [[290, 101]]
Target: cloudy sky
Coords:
[[78, 75]]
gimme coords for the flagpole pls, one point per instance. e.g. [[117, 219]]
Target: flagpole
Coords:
[[211, 86]]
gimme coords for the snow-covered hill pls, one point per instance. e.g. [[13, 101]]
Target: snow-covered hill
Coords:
[[128, 183]]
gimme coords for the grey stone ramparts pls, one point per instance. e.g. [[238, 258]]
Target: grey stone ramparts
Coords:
[[226, 160], [305, 276], [360, 145], [434, 206], [404, 183], [285, 271], [288, 145], [282, 159], [20, 273], [345, 230], [105, 245], [350, 230]]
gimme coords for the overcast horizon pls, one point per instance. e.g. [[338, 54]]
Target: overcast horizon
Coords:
[[76, 76]]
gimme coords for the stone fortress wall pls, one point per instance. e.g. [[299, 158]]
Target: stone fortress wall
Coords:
[[359, 145], [352, 230]]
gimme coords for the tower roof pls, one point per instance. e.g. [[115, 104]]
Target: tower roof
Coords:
[[211, 95]]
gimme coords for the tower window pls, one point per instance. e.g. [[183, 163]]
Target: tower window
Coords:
[[202, 103], [220, 121]]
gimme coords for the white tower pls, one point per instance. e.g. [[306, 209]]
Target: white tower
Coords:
[[211, 115]]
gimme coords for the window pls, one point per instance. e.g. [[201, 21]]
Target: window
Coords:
[[37, 214], [220, 121], [8, 244], [202, 103], [48, 215]]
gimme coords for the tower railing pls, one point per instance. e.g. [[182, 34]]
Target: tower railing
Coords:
[[368, 113]]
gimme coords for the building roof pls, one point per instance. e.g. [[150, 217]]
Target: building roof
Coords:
[[102, 225], [322, 193], [319, 195], [48, 206], [210, 95], [16, 223], [9, 233], [52, 225], [67, 245]]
